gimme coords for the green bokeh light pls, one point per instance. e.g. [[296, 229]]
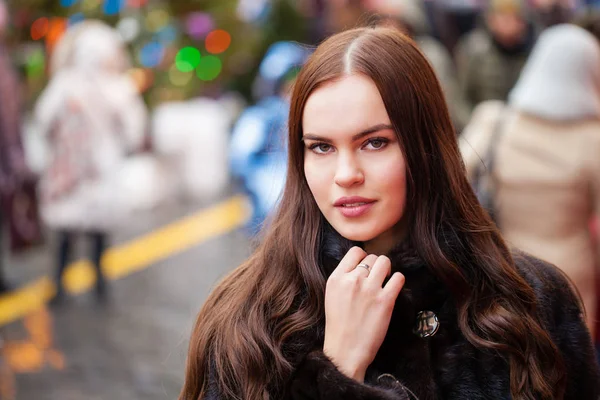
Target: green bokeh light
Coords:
[[36, 64], [187, 59], [209, 68]]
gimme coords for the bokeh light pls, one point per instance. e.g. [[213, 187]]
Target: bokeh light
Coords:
[[36, 64], [137, 3], [187, 59], [218, 41], [76, 18], [142, 78], [209, 68], [129, 28], [151, 54], [199, 24], [57, 28], [40, 28], [90, 5], [157, 19], [113, 7], [252, 10], [178, 77], [68, 3]]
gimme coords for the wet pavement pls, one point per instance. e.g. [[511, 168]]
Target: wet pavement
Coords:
[[135, 346]]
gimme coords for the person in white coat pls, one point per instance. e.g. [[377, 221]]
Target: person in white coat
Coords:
[[92, 117]]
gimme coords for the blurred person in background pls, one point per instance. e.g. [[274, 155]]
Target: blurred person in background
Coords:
[[13, 168], [258, 155], [547, 163], [490, 58], [345, 14], [410, 17], [92, 117], [454, 18], [589, 19], [547, 13], [315, 11]]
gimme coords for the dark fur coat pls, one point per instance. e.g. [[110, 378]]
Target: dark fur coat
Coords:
[[446, 365]]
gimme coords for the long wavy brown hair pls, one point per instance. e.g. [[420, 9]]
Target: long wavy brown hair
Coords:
[[278, 293]]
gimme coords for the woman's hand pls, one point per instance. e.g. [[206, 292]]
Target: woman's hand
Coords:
[[358, 310]]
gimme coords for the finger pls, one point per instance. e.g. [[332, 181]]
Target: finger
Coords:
[[393, 287], [351, 259], [368, 260], [380, 270]]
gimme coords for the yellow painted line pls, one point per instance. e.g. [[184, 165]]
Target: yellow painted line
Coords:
[[131, 257], [16, 305]]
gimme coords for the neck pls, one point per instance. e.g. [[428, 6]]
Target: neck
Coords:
[[380, 246], [385, 242]]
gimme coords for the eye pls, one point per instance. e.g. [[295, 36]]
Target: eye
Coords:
[[320, 148], [377, 143]]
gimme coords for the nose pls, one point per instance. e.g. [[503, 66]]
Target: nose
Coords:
[[348, 171]]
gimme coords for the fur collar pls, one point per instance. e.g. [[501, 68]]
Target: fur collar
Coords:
[[422, 290], [334, 247]]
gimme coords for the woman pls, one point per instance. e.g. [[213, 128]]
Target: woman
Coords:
[[92, 117], [375, 189], [547, 164]]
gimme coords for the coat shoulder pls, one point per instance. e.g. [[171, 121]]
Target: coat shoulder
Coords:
[[547, 280], [560, 309], [556, 295]]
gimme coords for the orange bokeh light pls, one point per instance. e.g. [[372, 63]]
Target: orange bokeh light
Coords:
[[39, 28], [137, 3], [143, 78], [218, 41], [58, 26]]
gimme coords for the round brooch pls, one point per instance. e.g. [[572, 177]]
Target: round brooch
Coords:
[[427, 324]]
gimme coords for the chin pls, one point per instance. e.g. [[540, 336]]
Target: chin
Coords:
[[357, 235]]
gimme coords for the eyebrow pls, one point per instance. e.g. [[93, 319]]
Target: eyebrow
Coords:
[[366, 132]]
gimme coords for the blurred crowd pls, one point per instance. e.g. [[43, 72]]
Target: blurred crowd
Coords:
[[521, 78]]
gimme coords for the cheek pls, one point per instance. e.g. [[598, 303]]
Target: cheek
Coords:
[[397, 187], [393, 182], [316, 180]]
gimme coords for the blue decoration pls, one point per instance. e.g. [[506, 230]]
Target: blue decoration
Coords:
[[76, 18], [254, 11], [151, 54], [113, 7], [68, 3]]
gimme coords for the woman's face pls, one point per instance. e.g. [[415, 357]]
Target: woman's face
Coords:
[[353, 162]]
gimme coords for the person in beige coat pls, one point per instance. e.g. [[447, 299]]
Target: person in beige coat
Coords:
[[547, 155]]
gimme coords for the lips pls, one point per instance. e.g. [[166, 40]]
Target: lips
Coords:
[[354, 206]]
